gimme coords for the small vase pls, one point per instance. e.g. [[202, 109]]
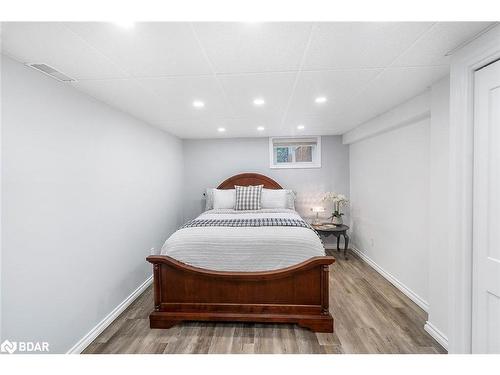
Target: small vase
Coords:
[[337, 220]]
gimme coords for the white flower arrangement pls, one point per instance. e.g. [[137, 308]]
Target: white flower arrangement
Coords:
[[339, 201]]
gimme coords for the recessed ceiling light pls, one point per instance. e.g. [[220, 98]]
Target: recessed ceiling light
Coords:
[[320, 99], [301, 127], [260, 128], [259, 102], [198, 104], [125, 24], [221, 130]]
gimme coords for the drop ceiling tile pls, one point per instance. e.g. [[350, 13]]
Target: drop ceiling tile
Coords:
[[235, 128], [393, 87], [178, 93], [440, 39], [274, 88], [312, 125], [312, 130], [314, 122], [147, 49], [207, 128], [337, 86], [347, 45], [253, 47], [52, 44], [97, 53]]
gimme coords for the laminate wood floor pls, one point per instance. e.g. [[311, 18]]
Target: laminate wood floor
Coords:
[[371, 316]]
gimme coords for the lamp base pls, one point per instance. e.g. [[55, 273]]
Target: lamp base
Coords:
[[316, 220]]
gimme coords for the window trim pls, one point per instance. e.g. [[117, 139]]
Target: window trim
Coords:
[[316, 163]]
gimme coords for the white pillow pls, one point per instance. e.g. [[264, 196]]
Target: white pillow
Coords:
[[224, 198], [272, 198], [278, 198]]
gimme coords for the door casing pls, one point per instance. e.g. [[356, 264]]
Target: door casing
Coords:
[[465, 62]]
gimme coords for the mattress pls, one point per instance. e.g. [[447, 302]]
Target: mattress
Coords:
[[244, 248]]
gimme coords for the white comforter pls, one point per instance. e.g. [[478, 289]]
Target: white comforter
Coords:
[[243, 248]]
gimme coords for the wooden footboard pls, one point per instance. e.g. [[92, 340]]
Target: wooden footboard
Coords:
[[296, 294]]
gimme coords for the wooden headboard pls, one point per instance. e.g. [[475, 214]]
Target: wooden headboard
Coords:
[[246, 179]]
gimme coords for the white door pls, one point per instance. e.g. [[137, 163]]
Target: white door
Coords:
[[486, 228]]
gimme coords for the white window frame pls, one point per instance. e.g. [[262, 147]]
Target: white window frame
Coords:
[[316, 163]]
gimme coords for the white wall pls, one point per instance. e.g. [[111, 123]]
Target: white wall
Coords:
[[390, 202], [87, 191], [438, 201], [209, 162], [399, 186]]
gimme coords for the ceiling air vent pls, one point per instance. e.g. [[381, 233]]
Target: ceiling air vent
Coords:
[[50, 71]]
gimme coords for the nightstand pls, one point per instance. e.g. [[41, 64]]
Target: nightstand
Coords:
[[327, 229]]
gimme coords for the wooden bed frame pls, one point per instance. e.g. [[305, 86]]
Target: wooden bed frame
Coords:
[[296, 294]]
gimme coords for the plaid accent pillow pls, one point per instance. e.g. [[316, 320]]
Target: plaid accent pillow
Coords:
[[248, 197]]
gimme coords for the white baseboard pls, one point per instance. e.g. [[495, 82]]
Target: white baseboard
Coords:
[[103, 324], [436, 334], [423, 304]]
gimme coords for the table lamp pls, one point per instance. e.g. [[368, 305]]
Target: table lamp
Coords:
[[317, 210]]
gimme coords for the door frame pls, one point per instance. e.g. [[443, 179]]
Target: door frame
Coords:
[[479, 53]]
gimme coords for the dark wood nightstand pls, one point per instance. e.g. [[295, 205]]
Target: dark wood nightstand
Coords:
[[327, 229]]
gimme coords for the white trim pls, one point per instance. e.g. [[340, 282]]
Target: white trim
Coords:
[[436, 334], [477, 54], [409, 112], [423, 304], [103, 324]]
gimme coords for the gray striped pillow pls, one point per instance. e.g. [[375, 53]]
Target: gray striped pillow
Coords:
[[248, 197]]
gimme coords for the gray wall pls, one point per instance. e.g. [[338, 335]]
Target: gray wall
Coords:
[[390, 202], [86, 192], [399, 182], [209, 162]]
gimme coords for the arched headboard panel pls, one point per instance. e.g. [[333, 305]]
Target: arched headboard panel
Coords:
[[246, 179]]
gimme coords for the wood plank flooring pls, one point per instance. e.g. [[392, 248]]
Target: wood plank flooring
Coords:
[[371, 316]]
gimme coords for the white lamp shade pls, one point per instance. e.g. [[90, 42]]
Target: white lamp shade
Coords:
[[318, 209]]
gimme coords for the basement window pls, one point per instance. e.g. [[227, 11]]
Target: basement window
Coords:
[[289, 152]]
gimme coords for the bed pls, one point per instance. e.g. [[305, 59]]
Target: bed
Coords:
[[268, 274]]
